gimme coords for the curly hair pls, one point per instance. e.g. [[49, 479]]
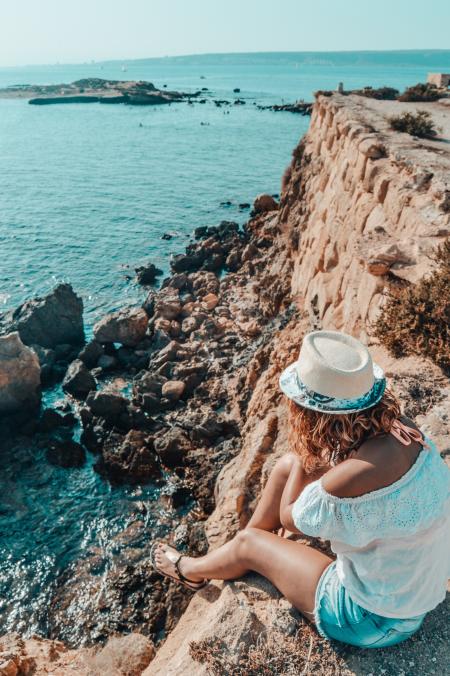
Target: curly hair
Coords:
[[321, 439]]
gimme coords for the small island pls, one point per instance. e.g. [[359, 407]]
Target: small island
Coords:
[[96, 90]]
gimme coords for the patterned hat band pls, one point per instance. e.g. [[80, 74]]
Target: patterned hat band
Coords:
[[293, 387]]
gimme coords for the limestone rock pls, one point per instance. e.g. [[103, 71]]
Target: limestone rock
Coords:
[[125, 655], [19, 374], [264, 203], [54, 319], [127, 327]]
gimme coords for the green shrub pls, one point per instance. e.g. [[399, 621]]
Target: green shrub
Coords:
[[417, 124], [382, 93], [416, 318], [420, 92]]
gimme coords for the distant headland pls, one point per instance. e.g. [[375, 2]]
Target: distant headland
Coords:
[[96, 90]]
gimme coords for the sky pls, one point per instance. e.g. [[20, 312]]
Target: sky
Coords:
[[76, 31]]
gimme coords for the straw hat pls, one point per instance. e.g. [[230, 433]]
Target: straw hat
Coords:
[[334, 373]]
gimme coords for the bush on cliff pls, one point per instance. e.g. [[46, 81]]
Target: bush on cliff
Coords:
[[417, 124], [416, 319], [382, 93], [420, 92]]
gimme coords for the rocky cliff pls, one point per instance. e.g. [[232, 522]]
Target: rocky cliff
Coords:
[[361, 208]]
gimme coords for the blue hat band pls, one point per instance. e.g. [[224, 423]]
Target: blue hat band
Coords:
[[293, 387]]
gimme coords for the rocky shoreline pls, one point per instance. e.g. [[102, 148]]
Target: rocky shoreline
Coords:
[[176, 356]]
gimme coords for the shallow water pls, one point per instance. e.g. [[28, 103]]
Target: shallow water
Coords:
[[87, 190]]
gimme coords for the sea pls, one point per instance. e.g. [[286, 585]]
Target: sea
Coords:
[[86, 193]]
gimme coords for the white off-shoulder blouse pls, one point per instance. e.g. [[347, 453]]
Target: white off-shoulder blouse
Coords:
[[392, 544]]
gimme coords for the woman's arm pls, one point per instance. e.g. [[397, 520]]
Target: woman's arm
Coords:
[[296, 482]]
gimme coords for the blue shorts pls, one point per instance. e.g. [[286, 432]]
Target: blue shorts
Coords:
[[339, 618]]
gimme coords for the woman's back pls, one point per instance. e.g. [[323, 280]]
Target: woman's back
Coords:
[[390, 541]]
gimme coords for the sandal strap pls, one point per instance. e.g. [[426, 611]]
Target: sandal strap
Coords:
[[183, 578]]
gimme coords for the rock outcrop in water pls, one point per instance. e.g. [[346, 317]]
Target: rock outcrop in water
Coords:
[[20, 379], [205, 409], [55, 319], [97, 90]]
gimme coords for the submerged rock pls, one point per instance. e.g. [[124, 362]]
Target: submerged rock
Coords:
[[147, 274], [126, 326], [52, 320], [19, 375], [66, 453]]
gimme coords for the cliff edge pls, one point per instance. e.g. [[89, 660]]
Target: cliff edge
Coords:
[[362, 207]]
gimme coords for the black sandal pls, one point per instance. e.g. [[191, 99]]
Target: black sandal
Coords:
[[175, 558]]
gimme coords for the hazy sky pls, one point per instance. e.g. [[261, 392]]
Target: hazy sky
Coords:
[[47, 31]]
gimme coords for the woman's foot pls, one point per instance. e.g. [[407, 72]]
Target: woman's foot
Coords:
[[168, 561]]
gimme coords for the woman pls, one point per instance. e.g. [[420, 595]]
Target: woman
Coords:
[[360, 475]]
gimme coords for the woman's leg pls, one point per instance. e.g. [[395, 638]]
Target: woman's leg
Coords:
[[267, 513], [293, 568]]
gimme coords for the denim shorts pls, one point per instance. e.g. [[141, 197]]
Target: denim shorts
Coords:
[[338, 617]]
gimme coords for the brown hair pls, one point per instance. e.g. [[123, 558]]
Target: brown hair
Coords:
[[321, 438]]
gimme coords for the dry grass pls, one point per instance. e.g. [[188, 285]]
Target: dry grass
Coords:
[[273, 655], [416, 318]]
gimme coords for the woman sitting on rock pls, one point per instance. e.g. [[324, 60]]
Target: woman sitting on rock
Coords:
[[360, 475]]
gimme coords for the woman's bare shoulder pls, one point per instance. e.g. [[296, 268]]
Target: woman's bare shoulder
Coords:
[[351, 479]]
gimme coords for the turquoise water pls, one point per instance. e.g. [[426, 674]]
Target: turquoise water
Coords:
[[86, 190]]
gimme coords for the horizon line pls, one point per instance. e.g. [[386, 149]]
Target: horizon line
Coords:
[[206, 54]]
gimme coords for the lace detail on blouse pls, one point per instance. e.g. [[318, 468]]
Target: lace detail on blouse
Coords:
[[408, 505]]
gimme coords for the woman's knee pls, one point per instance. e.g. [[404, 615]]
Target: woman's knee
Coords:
[[245, 540], [285, 464]]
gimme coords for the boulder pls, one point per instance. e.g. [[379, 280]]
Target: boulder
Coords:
[[126, 326], [129, 459], [172, 446], [173, 390], [210, 301], [168, 304], [91, 353], [107, 405], [19, 374], [78, 380], [125, 655], [186, 262], [55, 319], [65, 453], [264, 203]]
